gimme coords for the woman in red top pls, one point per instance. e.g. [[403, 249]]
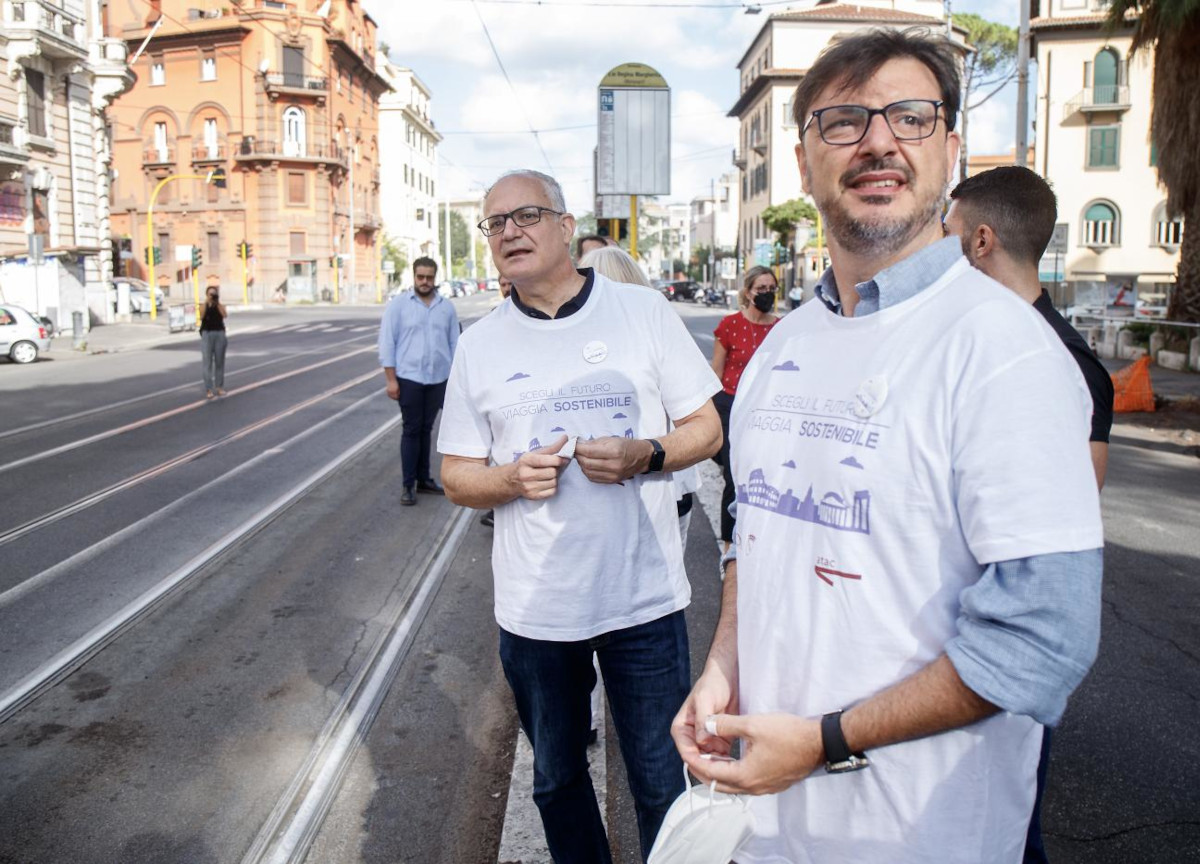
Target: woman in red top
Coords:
[[737, 338]]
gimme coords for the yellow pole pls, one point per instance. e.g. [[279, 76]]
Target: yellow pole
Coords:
[[633, 226], [150, 234], [614, 229], [245, 278]]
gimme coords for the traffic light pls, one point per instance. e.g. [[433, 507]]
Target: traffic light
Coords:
[[245, 250], [197, 259], [157, 254], [217, 177], [602, 228]]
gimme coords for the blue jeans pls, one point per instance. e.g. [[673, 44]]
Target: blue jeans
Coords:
[[647, 675], [1035, 848]]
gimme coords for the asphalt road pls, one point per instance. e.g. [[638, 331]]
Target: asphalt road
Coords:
[[177, 737]]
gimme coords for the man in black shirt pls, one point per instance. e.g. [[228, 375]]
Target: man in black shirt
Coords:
[[1005, 218]]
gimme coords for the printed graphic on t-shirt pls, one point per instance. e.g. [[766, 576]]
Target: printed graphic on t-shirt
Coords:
[[593, 408], [793, 421]]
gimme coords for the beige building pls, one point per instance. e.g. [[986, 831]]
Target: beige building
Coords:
[[59, 74], [769, 71], [408, 191], [284, 98], [1093, 113]]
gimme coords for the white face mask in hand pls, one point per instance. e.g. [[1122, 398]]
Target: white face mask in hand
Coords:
[[703, 826]]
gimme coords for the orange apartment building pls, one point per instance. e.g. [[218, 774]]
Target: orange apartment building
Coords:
[[285, 97]]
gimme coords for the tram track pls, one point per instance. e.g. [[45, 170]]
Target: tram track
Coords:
[[157, 394], [61, 664], [165, 415], [192, 455]]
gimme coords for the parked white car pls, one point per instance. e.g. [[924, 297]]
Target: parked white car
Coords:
[[22, 336]]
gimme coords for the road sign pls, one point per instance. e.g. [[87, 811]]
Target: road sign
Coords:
[[633, 146], [37, 248], [1058, 240], [183, 254], [389, 266]]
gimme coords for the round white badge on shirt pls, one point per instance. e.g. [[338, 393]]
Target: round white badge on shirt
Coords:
[[870, 396], [595, 352]]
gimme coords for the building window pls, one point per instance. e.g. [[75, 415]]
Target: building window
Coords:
[[1106, 77], [35, 100], [297, 243], [297, 187], [214, 247], [293, 66], [211, 142], [158, 72], [1167, 232], [213, 192], [1103, 146], [41, 212], [405, 173], [164, 244], [208, 66], [293, 132], [1100, 225], [160, 142]]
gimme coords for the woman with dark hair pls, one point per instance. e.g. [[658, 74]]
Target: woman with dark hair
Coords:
[[212, 343], [737, 337]]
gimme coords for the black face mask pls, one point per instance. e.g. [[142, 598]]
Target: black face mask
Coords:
[[764, 302]]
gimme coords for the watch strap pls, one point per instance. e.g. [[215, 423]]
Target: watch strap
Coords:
[[657, 458], [838, 757]]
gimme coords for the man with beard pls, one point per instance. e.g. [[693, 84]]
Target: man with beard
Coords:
[[917, 581], [417, 338]]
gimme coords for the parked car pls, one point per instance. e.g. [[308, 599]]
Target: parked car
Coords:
[[22, 336], [680, 289], [139, 295]]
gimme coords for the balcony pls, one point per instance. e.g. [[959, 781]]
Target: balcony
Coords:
[[13, 151], [252, 148], [739, 159], [158, 155], [39, 27], [1110, 97], [294, 84], [366, 220], [215, 153]]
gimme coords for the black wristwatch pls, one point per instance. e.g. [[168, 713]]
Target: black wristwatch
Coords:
[[657, 458], [838, 758]]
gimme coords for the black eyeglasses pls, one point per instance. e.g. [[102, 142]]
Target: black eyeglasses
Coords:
[[522, 217], [909, 120]]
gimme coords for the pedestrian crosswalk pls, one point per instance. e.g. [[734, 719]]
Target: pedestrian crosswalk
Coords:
[[323, 328]]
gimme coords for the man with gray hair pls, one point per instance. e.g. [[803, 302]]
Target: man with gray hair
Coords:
[[557, 416], [917, 582]]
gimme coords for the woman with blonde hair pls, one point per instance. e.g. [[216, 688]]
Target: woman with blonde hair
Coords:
[[737, 337], [618, 265]]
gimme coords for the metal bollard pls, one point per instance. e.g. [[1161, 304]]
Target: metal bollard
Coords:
[[79, 339]]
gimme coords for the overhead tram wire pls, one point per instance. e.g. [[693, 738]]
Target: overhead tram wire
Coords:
[[500, 63], [635, 4]]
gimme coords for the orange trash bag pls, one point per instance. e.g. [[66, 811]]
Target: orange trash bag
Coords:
[[1132, 389]]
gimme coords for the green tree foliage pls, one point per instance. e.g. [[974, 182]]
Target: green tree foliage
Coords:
[[390, 251], [782, 218], [1171, 28], [460, 240], [988, 68]]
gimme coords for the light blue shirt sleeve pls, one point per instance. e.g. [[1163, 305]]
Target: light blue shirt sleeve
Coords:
[[1029, 631], [388, 326]]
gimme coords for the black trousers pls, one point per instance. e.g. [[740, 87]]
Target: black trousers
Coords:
[[723, 403], [419, 407]]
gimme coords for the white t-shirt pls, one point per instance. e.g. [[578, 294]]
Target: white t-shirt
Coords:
[[593, 558], [880, 463]]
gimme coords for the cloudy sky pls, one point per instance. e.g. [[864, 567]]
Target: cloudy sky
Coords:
[[556, 51]]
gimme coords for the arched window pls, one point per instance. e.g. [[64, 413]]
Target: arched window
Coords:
[[294, 143], [1167, 231], [1105, 77], [1101, 225]]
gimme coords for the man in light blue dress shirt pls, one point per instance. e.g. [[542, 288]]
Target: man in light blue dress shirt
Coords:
[[417, 338]]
